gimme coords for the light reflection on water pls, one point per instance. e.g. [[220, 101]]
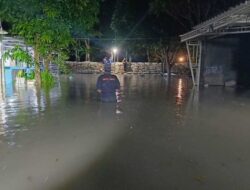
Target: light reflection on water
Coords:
[[149, 97], [28, 105], [18, 111], [164, 128], [180, 86]]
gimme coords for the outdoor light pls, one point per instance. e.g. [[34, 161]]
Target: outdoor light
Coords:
[[115, 50], [181, 59], [115, 53]]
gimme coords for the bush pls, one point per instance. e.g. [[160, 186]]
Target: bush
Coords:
[[30, 76], [48, 80], [60, 61], [64, 69], [21, 74]]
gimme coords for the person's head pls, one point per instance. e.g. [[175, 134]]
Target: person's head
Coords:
[[108, 55], [107, 70]]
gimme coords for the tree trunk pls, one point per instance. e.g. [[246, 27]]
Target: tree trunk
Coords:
[[87, 46], [47, 62], [168, 69], [148, 56], [76, 55], [38, 95], [37, 67], [163, 67]]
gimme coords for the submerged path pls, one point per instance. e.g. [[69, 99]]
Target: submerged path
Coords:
[[168, 137]]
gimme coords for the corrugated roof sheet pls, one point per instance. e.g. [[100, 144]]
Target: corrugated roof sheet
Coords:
[[234, 15]]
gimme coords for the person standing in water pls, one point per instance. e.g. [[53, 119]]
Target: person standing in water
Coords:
[[108, 86], [107, 63]]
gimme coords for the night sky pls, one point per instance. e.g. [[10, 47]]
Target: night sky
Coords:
[[169, 17], [144, 22]]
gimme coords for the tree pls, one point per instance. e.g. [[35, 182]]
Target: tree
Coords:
[[184, 14], [166, 51], [49, 25], [134, 27], [188, 13], [84, 26], [19, 55]]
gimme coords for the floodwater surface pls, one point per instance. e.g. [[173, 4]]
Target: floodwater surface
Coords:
[[164, 135]]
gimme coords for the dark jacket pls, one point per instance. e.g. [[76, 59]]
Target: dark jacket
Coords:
[[108, 84]]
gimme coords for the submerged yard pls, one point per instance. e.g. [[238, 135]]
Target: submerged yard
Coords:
[[168, 136]]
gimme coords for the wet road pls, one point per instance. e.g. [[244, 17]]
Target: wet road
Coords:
[[168, 137]]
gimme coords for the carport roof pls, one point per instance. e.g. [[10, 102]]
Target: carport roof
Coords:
[[234, 21]]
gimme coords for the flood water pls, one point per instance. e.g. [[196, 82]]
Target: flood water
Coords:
[[168, 137]]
